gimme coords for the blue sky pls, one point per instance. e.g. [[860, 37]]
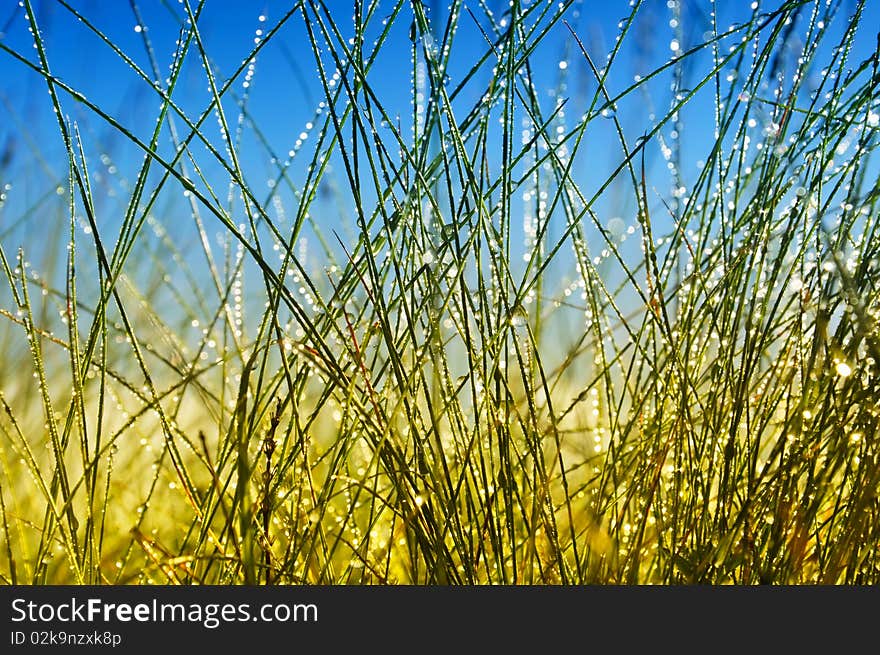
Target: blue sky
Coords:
[[284, 88]]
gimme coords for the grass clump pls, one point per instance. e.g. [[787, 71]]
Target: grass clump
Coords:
[[581, 314]]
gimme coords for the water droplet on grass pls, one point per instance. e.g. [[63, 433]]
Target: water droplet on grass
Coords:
[[843, 369]]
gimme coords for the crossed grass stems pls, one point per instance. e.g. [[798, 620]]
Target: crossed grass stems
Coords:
[[420, 407]]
